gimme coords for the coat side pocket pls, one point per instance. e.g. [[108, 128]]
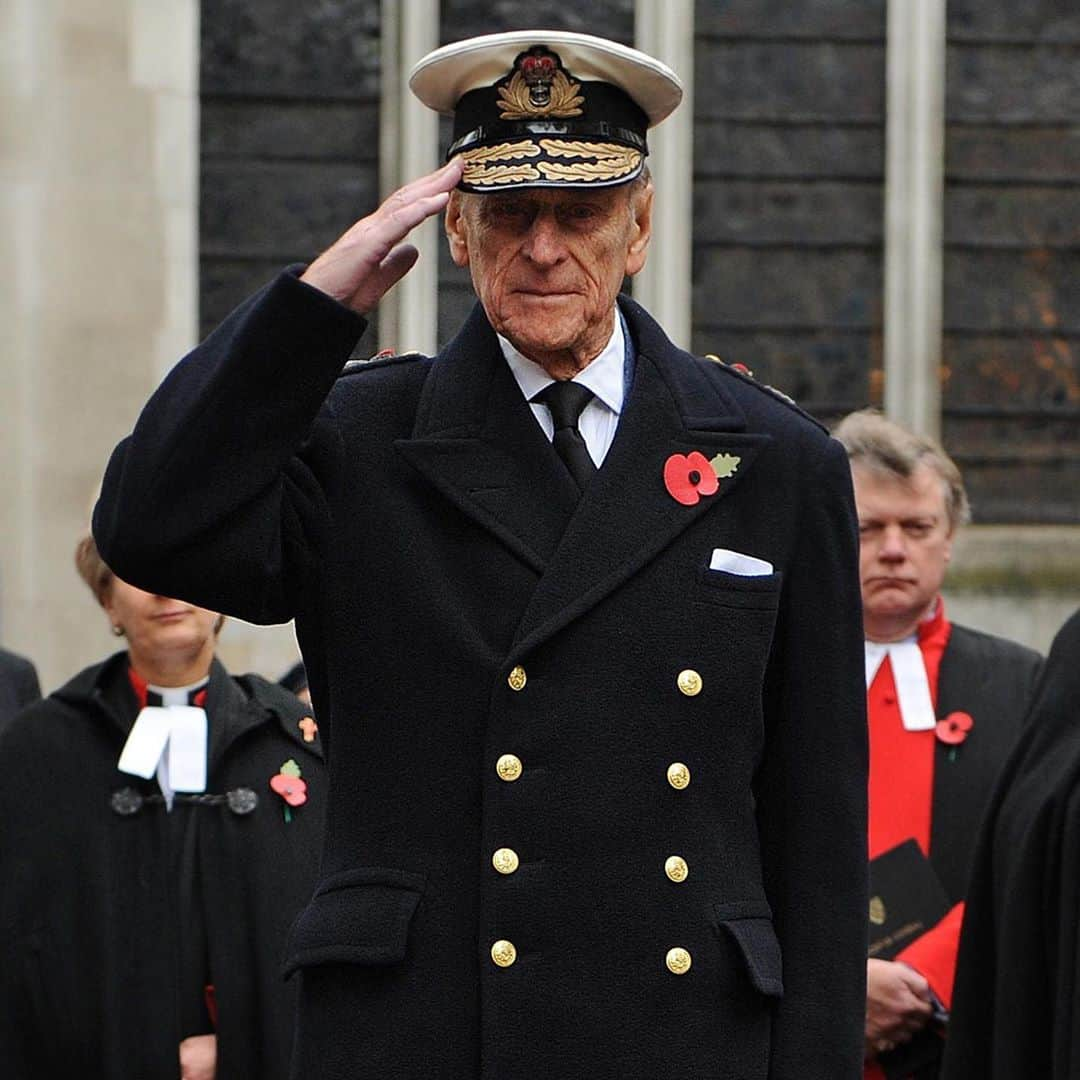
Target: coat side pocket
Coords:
[[756, 940], [359, 916]]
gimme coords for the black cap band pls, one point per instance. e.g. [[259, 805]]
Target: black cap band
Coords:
[[568, 129]]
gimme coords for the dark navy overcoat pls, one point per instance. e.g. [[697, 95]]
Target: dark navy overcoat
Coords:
[[530, 823]]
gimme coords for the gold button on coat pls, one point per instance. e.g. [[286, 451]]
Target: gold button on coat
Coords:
[[678, 961], [689, 682], [678, 775], [675, 867], [517, 678], [508, 767], [505, 860], [503, 953]]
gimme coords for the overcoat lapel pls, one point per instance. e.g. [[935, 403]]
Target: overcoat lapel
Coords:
[[626, 517], [958, 688], [476, 440], [961, 778]]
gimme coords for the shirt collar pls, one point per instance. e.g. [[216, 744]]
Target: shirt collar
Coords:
[[604, 375], [934, 624]]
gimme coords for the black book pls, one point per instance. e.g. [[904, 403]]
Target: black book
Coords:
[[906, 899]]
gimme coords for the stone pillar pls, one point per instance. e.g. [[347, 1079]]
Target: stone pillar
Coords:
[[98, 196], [666, 31], [914, 198], [409, 148]]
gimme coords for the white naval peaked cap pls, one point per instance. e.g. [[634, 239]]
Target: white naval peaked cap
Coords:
[[541, 108]]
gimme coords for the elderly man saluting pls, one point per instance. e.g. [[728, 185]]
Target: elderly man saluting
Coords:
[[580, 612]]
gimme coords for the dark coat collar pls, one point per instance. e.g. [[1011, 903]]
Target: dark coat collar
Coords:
[[477, 442], [235, 705]]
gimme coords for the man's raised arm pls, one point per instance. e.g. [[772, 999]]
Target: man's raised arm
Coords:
[[227, 469]]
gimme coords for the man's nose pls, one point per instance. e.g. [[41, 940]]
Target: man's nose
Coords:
[[893, 546], [544, 245]]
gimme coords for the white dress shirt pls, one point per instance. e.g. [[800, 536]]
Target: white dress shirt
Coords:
[[604, 376]]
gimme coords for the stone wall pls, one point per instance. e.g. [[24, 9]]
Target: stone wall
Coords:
[[289, 137], [788, 169], [1011, 363]]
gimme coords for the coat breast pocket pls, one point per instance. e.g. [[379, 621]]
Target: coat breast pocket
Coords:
[[753, 592], [359, 916], [738, 615]]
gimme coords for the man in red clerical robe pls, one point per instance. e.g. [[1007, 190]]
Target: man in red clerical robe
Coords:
[[945, 705]]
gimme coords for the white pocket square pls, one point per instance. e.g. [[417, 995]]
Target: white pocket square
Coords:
[[735, 562]]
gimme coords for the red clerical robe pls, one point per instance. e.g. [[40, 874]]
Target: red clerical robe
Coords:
[[901, 802]]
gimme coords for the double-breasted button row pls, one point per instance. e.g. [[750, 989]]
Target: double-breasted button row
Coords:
[[505, 860], [678, 959]]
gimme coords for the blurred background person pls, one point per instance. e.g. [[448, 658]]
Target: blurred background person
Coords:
[[161, 828], [945, 704], [296, 680], [18, 685], [1017, 999]]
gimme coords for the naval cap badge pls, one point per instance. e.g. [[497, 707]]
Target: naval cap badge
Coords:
[[538, 86]]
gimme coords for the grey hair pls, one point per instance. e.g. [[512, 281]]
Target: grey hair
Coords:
[[883, 446]]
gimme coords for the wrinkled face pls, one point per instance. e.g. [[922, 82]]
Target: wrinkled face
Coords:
[[157, 627], [905, 543], [547, 263]]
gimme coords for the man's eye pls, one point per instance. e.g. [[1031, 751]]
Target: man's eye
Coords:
[[508, 211], [580, 212]]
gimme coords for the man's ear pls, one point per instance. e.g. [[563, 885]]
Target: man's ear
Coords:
[[456, 232], [641, 230]]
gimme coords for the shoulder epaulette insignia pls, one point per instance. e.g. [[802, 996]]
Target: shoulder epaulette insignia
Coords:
[[780, 394], [745, 373], [383, 358], [742, 369]]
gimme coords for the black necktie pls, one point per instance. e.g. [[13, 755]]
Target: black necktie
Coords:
[[566, 400]]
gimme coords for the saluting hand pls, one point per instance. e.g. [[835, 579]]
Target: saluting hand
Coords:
[[361, 266]]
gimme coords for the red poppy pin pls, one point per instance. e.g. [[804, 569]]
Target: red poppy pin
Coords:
[[953, 730], [688, 477], [290, 787]]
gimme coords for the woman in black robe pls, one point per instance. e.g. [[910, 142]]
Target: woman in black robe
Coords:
[[1016, 1002], [160, 827]]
